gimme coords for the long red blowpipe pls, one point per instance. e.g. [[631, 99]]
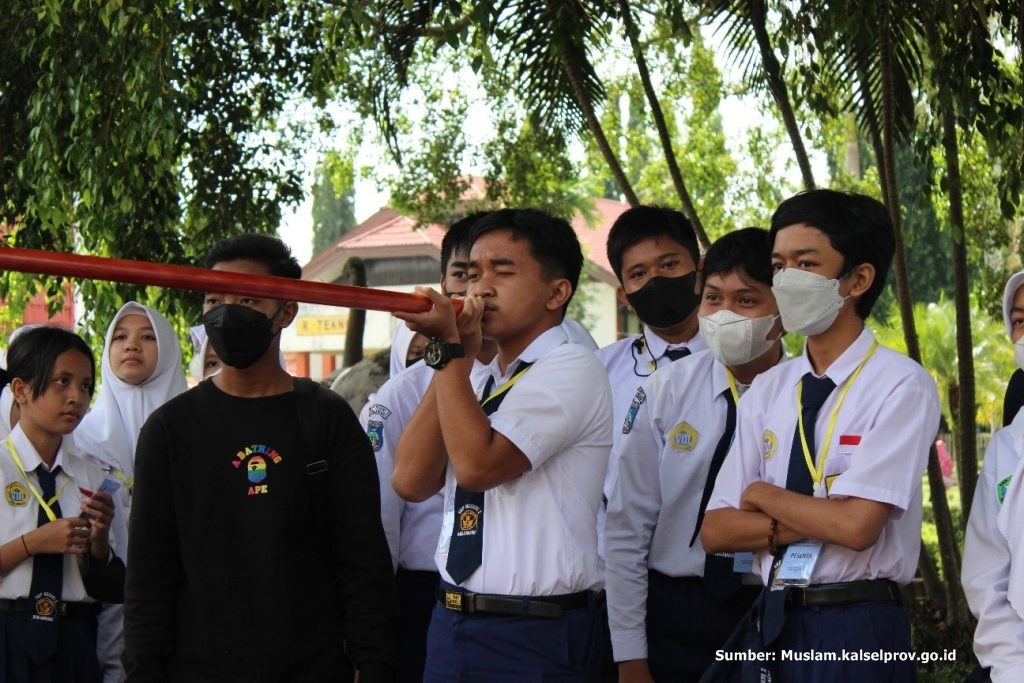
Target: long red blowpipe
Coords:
[[203, 280]]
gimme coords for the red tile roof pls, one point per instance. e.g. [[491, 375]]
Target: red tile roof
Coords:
[[388, 233]]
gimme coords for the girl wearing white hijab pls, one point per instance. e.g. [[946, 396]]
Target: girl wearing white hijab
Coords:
[[142, 370], [205, 362], [993, 560]]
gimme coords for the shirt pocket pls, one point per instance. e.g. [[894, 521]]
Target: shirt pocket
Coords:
[[839, 461]]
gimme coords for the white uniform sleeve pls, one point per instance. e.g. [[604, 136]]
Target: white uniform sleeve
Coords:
[[384, 425], [999, 637], [892, 455], [633, 509]]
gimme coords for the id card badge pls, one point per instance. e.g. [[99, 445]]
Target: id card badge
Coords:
[[798, 564], [743, 563]]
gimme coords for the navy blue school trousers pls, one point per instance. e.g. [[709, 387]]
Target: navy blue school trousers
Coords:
[[417, 595], [860, 629], [686, 624], [490, 648]]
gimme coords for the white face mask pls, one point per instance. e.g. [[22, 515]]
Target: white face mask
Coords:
[[1018, 353], [808, 302], [735, 339]]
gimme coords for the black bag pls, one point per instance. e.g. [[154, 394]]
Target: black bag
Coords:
[[979, 675], [746, 640]]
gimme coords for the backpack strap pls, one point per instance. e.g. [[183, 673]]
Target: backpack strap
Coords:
[[311, 434]]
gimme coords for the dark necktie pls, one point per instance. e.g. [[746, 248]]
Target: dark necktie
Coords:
[[719, 576], [676, 354], [466, 549], [47, 581], [814, 392]]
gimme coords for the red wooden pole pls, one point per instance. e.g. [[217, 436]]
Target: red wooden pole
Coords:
[[204, 280]]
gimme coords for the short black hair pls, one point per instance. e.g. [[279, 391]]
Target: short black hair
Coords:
[[857, 226], [553, 242], [270, 251], [645, 222], [747, 249], [456, 239], [32, 355]]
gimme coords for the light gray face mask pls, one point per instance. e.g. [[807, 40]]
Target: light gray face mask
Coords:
[[1018, 353], [808, 302], [735, 339]]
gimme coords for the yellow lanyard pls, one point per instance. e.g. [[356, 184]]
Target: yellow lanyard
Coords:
[[128, 483], [732, 387], [505, 387], [31, 487], [818, 472]]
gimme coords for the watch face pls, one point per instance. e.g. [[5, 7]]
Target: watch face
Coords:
[[433, 354]]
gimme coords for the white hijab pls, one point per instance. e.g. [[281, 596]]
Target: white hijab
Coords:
[[6, 401], [200, 342], [400, 347], [110, 429]]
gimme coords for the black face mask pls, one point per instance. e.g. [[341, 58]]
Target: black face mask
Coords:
[[240, 335], [665, 301]]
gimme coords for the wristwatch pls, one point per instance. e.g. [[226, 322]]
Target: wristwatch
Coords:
[[438, 352]]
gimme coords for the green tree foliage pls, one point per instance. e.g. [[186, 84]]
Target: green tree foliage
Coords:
[[147, 131], [334, 198]]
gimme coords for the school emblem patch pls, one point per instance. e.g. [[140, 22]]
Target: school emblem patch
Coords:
[[683, 437], [1001, 488], [17, 494], [375, 430], [46, 607], [468, 520], [634, 408], [770, 443]]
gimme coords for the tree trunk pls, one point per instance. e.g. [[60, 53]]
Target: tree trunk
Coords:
[[851, 159], [885, 145], [933, 587], [957, 615], [356, 272], [777, 86], [967, 445], [583, 99], [659, 121]]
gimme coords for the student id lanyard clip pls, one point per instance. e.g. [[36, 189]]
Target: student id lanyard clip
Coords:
[[818, 472]]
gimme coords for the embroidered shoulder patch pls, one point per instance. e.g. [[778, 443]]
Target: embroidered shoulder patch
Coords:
[[634, 408], [683, 437], [770, 443], [375, 430], [1001, 488]]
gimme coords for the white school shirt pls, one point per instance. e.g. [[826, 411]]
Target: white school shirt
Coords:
[[663, 462], [993, 552], [411, 528], [19, 510], [540, 535], [628, 367], [878, 452]]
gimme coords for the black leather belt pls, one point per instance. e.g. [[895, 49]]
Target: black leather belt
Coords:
[[68, 610], [545, 606], [876, 590]]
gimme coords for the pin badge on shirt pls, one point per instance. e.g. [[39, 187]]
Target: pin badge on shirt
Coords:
[[16, 494]]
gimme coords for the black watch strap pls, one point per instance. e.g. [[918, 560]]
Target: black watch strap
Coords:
[[439, 352]]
